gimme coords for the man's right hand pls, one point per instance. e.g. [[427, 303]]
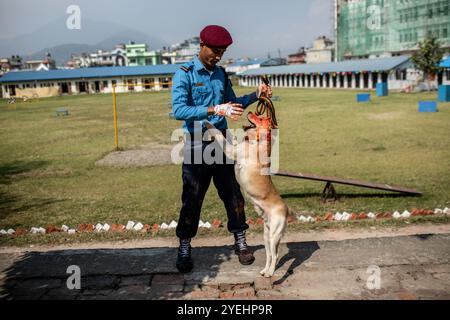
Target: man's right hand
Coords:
[[230, 110]]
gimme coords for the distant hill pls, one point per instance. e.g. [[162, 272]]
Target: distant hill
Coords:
[[62, 53], [61, 42], [125, 36]]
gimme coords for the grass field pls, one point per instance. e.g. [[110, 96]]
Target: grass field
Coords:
[[48, 173]]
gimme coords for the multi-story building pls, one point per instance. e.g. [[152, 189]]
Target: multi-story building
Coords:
[[322, 51], [186, 51], [138, 55], [79, 61], [119, 56], [115, 58], [48, 63], [298, 57], [101, 59], [168, 57], [10, 64], [382, 28]]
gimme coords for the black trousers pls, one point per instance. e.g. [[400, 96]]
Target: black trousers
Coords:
[[196, 181]]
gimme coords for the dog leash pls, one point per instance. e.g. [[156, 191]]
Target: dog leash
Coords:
[[265, 109], [265, 106]]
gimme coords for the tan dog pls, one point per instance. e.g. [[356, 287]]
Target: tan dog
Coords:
[[252, 166]]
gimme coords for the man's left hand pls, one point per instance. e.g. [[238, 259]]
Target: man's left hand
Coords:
[[265, 90]]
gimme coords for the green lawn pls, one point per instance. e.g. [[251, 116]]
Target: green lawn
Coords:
[[48, 172]]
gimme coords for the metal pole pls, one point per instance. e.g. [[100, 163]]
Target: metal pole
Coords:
[[116, 132]]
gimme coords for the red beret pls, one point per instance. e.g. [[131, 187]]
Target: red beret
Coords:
[[216, 36]]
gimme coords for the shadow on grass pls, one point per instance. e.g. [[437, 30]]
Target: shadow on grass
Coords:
[[10, 203], [11, 170]]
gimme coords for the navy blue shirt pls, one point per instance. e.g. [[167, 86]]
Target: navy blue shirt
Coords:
[[196, 90]]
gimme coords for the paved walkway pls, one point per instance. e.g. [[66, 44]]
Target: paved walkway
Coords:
[[396, 267]]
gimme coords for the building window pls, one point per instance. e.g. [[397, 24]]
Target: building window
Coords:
[[105, 84], [444, 33], [114, 82], [165, 83], [149, 83]]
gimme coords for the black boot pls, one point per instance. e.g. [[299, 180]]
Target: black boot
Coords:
[[241, 249], [184, 262]]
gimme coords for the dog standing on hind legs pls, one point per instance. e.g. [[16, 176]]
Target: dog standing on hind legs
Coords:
[[252, 167]]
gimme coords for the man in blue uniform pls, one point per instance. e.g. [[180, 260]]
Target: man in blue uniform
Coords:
[[202, 92]]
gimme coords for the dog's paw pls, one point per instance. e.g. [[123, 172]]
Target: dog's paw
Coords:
[[269, 273], [263, 272]]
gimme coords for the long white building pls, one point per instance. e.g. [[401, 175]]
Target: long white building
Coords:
[[398, 72]]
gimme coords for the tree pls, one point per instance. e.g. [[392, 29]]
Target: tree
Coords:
[[427, 58]]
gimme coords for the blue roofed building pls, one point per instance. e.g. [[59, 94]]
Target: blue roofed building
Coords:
[[398, 72], [86, 80]]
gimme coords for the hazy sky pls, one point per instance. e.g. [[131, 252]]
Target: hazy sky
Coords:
[[256, 26]]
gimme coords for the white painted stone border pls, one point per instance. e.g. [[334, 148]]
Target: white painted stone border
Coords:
[[132, 226]]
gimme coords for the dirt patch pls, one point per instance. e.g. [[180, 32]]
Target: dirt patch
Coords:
[[384, 116], [147, 155]]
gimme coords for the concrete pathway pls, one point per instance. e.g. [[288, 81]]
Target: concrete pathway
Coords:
[[388, 266]]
